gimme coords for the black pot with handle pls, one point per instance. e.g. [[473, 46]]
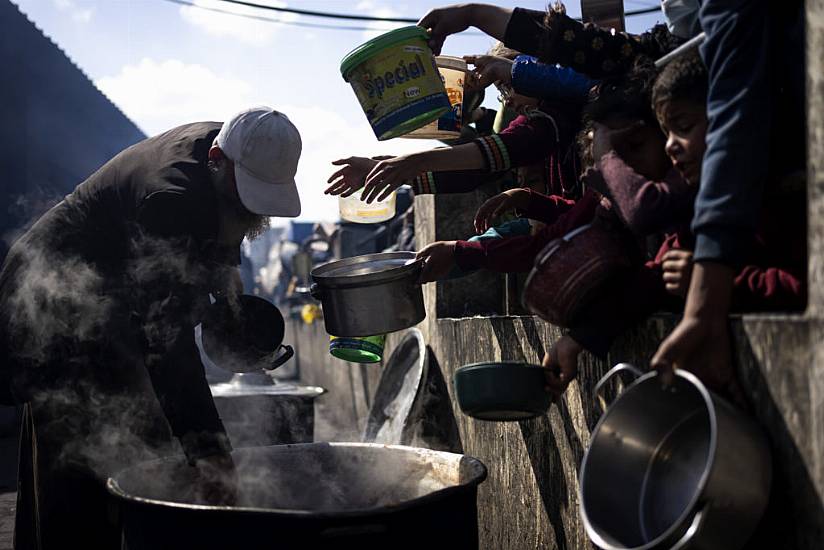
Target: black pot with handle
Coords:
[[246, 335]]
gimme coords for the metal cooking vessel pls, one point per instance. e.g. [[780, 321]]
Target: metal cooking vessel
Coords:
[[673, 467], [256, 410], [309, 496], [371, 294], [570, 270]]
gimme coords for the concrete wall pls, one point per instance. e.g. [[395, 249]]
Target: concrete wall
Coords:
[[530, 498]]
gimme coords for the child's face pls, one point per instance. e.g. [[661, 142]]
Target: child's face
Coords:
[[641, 146], [685, 124]]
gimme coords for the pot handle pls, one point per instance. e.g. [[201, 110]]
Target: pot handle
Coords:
[[693, 530], [613, 372], [314, 290], [285, 355]]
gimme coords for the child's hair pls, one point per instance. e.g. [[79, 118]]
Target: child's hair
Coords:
[[628, 95], [684, 78]]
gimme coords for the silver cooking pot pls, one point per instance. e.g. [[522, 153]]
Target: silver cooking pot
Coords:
[[672, 467], [371, 294]]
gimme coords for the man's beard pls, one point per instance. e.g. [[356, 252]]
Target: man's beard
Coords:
[[256, 225]]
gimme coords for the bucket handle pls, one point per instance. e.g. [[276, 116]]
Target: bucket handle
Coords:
[[613, 372], [693, 530]]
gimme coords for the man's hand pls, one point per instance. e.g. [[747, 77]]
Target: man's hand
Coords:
[[497, 205], [388, 175], [489, 69], [218, 481], [677, 265], [439, 260], [561, 364], [351, 177], [701, 341]]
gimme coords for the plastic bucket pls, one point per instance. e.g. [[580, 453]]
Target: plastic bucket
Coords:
[[396, 81], [353, 209], [448, 126], [368, 349]]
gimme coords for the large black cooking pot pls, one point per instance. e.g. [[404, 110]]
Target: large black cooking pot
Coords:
[[309, 496], [245, 336]]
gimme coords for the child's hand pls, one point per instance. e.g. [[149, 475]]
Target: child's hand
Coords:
[[439, 259], [561, 362], [489, 69], [606, 139], [497, 205], [389, 174], [350, 178], [677, 266]]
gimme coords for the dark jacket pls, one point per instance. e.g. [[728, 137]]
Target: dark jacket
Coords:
[[115, 277]]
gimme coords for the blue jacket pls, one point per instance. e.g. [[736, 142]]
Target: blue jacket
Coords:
[[551, 82], [755, 57]]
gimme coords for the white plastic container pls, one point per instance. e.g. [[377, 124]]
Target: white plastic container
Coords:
[[353, 209], [448, 126]]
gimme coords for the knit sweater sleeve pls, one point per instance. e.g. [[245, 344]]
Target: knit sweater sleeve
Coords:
[[525, 141], [645, 206], [554, 37], [517, 254], [545, 208]]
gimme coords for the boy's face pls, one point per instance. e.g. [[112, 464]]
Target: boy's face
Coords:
[[685, 124]]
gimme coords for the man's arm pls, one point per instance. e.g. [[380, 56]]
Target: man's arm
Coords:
[[168, 276]]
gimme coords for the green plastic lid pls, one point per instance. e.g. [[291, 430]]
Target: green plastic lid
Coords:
[[368, 49]]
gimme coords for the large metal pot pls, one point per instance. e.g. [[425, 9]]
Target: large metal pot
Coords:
[[309, 496], [256, 410], [371, 294], [673, 467]]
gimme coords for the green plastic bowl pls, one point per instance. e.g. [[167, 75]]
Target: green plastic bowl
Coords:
[[502, 391]]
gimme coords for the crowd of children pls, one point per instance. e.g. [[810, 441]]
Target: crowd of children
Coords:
[[678, 156]]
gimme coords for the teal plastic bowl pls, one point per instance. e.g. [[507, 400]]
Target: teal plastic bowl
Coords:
[[501, 391]]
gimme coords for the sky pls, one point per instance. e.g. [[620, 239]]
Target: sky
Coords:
[[165, 64]]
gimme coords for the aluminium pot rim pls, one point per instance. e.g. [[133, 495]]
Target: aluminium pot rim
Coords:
[[682, 522], [412, 268], [114, 489]]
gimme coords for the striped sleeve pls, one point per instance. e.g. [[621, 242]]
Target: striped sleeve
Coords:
[[495, 153]]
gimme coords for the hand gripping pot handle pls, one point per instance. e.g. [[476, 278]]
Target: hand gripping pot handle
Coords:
[[692, 531], [613, 372]]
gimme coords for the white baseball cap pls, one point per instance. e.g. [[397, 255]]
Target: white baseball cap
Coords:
[[265, 147]]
